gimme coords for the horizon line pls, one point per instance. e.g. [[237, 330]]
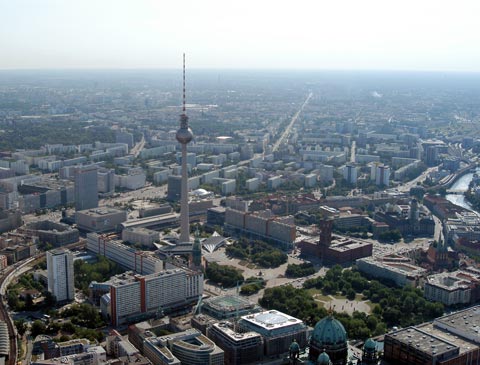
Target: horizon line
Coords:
[[290, 69]]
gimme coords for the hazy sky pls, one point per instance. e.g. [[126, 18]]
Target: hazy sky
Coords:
[[316, 34]]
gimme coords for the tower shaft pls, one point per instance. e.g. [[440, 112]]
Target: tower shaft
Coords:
[[184, 213]]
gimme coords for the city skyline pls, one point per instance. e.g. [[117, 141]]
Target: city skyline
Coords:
[[345, 35]]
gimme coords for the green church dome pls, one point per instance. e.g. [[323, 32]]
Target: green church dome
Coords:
[[323, 359], [370, 345], [328, 332], [294, 347]]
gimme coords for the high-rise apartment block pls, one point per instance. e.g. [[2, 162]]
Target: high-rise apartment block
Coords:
[[106, 181], [60, 274], [350, 173], [382, 175], [124, 137], [86, 187], [134, 296]]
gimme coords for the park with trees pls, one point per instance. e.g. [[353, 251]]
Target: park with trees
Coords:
[[390, 305]]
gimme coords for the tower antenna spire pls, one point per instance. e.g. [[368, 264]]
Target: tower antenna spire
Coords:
[[184, 97]]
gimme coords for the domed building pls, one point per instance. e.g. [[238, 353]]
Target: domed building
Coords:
[[323, 359], [329, 336], [369, 356], [294, 351]]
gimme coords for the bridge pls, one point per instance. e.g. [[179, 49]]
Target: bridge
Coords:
[[450, 179]]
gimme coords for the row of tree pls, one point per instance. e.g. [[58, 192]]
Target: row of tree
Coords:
[[390, 236], [226, 276], [252, 285], [298, 271]]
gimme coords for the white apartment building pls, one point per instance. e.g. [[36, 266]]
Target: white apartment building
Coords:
[[138, 261], [136, 296], [452, 288], [60, 274]]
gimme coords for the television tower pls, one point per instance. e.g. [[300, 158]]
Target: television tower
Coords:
[[184, 135]]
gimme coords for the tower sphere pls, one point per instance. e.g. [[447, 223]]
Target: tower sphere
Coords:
[[184, 135]]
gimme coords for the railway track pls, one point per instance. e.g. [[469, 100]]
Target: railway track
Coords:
[[4, 316]]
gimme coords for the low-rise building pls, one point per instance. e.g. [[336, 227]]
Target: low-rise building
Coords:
[[448, 340], [228, 306], [129, 258], [277, 329], [239, 347], [450, 288], [57, 234], [396, 268], [188, 347], [142, 236], [100, 219]]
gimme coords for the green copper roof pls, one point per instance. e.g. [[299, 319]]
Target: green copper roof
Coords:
[[328, 331], [323, 359], [370, 345], [294, 346]]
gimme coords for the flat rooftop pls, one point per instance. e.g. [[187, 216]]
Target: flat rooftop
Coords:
[[99, 212], [154, 219], [453, 280], [129, 277], [465, 323], [423, 341], [346, 244], [272, 319], [398, 266], [226, 328], [228, 303], [463, 344]]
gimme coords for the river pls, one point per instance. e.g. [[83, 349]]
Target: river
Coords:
[[461, 185]]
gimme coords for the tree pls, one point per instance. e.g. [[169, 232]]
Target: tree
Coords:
[[38, 328], [84, 315], [49, 300], [21, 326], [297, 271], [372, 322], [12, 299], [351, 294], [252, 285], [28, 302], [223, 275]]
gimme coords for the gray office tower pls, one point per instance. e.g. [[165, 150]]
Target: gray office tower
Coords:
[[86, 187], [174, 188]]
